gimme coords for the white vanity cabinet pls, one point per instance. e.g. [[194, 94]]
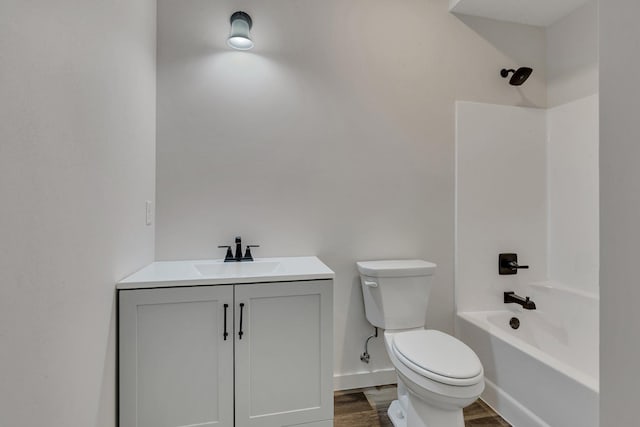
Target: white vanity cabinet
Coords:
[[284, 361], [177, 368]]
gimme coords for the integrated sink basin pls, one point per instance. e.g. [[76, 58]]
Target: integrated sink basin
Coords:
[[217, 272], [239, 269]]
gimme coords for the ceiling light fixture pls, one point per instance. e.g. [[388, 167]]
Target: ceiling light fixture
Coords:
[[239, 38]]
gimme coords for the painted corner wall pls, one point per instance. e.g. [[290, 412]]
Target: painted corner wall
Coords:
[[77, 147], [572, 56], [501, 201], [572, 151], [619, 210], [332, 137]]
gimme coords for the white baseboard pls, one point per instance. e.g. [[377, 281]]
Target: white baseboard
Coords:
[[509, 408], [364, 379]]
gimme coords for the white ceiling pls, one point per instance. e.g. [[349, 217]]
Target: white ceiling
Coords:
[[541, 13]]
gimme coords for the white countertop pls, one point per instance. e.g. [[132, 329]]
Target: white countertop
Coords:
[[217, 272]]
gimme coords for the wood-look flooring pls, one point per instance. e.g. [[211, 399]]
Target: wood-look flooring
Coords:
[[368, 408]]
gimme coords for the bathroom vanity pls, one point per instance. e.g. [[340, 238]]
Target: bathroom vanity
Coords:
[[208, 343]]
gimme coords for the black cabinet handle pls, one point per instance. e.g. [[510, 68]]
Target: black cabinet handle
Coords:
[[225, 334], [240, 334]]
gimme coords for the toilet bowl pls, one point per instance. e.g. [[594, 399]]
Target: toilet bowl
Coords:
[[438, 375]]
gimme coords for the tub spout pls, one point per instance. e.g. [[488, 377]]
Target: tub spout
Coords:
[[526, 303]]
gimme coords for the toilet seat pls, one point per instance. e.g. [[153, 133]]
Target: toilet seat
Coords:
[[438, 357]]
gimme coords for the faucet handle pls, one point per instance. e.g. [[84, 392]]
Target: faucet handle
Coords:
[[508, 264], [247, 254], [229, 255], [515, 265]]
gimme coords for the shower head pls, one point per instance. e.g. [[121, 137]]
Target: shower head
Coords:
[[519, 76]]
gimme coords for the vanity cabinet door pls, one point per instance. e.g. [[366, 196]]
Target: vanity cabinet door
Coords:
[[176, 368], [284, 358]]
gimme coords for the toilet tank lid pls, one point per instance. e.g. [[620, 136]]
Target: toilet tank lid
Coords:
[[396, 268]]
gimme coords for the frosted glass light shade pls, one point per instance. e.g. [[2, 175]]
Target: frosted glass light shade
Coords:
[[240, 37]]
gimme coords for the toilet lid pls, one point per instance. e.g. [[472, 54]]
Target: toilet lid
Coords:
[[439, 353]]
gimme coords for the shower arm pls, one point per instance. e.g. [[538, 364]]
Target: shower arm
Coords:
[[505, 73]]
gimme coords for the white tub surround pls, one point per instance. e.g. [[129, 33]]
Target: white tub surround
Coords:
[[573, 194], [501, 200], [554, 352], [238, 344], [526, 182]]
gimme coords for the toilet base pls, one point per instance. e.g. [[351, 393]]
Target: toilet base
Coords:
[[423, 416], [397, 415]]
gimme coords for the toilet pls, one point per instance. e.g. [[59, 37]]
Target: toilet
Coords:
[[438, 375]]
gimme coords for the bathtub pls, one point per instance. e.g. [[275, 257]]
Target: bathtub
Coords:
[[545, 373]]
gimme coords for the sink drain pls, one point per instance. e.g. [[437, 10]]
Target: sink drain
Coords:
[[514, 323]]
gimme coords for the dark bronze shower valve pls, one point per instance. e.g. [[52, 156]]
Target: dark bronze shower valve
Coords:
[[508, 264]]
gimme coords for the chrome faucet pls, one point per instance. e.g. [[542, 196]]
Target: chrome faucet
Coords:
[[526, 303], [238, 257]]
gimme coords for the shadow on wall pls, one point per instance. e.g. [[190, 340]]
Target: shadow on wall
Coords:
[[109, 391]]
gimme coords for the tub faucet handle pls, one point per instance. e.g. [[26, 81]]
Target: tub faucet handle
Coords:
[[508, 264], [515, 265]]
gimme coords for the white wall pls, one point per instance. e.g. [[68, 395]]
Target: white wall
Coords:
[[333, 137], [77, 128], [619, 210], [572, 63], [573, 191], [501, 201], [572, 56]]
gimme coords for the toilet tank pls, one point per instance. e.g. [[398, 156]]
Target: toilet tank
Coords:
[[396, 292]]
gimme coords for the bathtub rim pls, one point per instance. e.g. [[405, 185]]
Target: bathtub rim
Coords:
[[479, 319]]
